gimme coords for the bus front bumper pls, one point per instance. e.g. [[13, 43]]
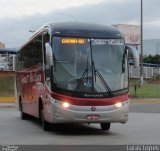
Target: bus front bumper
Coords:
[[89, 114]]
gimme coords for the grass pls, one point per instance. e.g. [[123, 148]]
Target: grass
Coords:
[[6, 86], [150, 89]]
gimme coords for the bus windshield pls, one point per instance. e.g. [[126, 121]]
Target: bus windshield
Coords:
[[89, 65]]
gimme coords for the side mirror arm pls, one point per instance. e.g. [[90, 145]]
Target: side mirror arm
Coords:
[[134, 55]]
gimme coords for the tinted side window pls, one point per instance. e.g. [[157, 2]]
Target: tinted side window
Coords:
[[31, 54], [36, 51]]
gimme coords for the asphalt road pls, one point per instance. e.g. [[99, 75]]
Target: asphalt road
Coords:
[[145, 107], [142, 128]]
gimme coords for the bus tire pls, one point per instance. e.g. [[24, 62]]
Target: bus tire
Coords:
[[45, 124], [105, 126], [24, 116]]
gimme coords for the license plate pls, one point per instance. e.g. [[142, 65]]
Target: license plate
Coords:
[[93, 117]]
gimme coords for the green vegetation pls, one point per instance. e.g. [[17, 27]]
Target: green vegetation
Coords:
[[152, 59], [6, 86], [150, 89]]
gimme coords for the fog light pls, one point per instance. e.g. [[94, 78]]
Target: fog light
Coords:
[[119, 104], [65, 104]]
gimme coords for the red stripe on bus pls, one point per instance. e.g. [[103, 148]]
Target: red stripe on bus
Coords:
[[90, 101]]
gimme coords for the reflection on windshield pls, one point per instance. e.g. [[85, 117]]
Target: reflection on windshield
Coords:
[[89, 65], [108, 56]]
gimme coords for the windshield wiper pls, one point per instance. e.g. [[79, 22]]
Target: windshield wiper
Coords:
[[102, 80], [83, 75], [98, 74], [85, 71]]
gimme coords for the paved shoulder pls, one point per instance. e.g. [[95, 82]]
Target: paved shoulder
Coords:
[[144, 107], [7, 105]]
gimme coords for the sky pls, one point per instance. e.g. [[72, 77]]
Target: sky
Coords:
[[18, 17]]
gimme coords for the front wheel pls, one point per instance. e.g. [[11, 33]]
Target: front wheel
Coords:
[[45, 124], [105, 126]]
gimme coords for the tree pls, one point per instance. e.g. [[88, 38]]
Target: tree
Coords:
[[152, 59]]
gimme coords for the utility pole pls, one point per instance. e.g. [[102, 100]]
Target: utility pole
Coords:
[[141, 56]]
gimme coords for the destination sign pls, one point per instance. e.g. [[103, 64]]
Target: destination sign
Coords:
[[72, 41]]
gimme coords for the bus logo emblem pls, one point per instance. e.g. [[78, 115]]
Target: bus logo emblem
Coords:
[[93, 108]]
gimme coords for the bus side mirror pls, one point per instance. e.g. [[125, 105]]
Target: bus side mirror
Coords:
[[49, 54], [134, 55]]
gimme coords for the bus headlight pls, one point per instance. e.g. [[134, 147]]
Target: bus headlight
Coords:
[[119, 104], [65, 104], [60, 103]]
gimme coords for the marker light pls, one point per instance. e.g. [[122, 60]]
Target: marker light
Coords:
[[119, 104], [65, 104]]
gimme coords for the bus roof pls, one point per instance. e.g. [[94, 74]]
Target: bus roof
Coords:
[[77, 29], [87, 30]]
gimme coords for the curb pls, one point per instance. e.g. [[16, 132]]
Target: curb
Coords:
[[7, 100], [145, 100], [7, 105]]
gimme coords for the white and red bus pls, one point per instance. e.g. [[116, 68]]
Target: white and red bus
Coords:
[[74, 73]]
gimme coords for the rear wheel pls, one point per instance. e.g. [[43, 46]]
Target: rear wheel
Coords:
[[24, 116], [105, 126]]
